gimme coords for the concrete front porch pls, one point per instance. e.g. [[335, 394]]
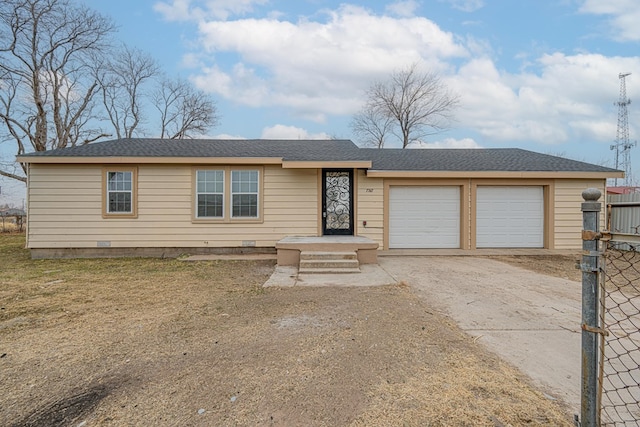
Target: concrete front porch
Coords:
[[289, 248]]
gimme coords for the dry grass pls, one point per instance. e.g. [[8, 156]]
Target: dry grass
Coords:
[[468, 389], [8, 226], [166, 342], [563, 266], [621, 267]]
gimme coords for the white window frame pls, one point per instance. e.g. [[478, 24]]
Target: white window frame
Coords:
[[131, 174], [204, 193], [240, 192], [228, 195]]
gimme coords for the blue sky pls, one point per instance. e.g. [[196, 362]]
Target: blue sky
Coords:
[[536, 74]]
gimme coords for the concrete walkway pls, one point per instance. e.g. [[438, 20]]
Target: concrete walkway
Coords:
[[530, 320], [370, 275]]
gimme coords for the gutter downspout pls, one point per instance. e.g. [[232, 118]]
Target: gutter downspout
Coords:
[[27, 206]]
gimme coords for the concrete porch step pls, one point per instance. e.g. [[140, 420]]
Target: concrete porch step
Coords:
[[328, 270], [327, 255], [291, 248], [328, 262]]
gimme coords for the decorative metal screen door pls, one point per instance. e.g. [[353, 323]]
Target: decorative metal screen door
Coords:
[[337, 202]]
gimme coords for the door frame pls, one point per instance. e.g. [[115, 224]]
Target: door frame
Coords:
[[323, 212], [465, 189]]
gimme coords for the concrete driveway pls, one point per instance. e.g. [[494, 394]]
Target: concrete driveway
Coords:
[[531, 320]]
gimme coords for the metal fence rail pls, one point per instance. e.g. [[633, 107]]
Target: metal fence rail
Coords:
[[620, 318]]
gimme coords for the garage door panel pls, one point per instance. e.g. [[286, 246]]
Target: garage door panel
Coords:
[[424, 217], [510, 217]]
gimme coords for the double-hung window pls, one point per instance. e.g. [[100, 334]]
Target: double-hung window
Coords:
[[227, 194], [210, 194], [244, 193], [119, 192]]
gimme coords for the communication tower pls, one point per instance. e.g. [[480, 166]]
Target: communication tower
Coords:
[[622, 145]]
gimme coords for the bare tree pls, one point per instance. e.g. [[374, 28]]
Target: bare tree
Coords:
[[58, 85], [412, 104], [122, 79], [371, 126], [46, 89], [184, 111]]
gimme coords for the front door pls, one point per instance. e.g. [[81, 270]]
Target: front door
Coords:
[[337, 202]]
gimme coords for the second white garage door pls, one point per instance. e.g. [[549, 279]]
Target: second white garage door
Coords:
[[510, 217], [424, 217]]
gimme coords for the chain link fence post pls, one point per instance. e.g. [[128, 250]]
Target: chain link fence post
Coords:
[[590, 402]]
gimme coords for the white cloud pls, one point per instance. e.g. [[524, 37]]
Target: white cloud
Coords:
[[318, 68], [240, 84], [569, 98], [466, 5], [447, 143], [177, 10], [290, 132], [405, 9], [227, 136], [191, 60], [188, 10], [222, 9], [625, 15]]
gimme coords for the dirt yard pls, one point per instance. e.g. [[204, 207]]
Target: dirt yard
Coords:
[[563, 266], [167, 342]]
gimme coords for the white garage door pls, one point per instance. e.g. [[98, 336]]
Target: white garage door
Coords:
[[424, 217], [510, 217]]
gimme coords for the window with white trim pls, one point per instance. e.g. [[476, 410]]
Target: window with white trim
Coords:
[[244, 193], [119, 192], [210, 194]]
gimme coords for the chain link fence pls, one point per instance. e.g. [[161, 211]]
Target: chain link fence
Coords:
[[620, 349], [610, 385]]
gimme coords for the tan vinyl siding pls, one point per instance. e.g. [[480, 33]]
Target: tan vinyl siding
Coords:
[[370, 208], [65, 209], [568, 217], [61, 201], [290, 201]]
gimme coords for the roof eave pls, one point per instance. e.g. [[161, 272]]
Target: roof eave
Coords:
[[347, 164], [150, 160], [493, 174]]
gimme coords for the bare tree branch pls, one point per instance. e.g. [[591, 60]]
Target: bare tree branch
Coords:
[[184, 111], [58, 85], [8, 169], [122, 80], [372, 126], [45, 53], [411, 104], [13, 176]]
